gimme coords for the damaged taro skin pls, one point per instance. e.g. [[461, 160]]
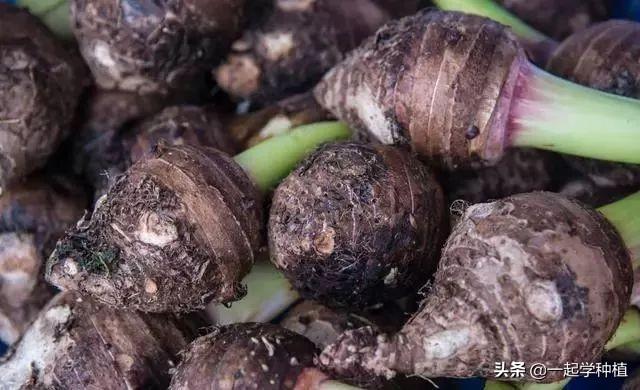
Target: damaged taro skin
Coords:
[[247, 356], [76, 344], [33, 216], [182, 226], [356, 225], [287, 50], [40, 82], [535, 278], [459, 90], [151, 46]]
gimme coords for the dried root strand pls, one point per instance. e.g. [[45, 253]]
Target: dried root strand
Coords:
[[76, 343], [356, 225], [33, 215], [177, 230], [155, 47], [289, 49], [39, 88], [559, 19], [439, 81], [249, 355], [531, 278]]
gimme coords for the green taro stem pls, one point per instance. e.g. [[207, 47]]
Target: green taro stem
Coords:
[[625, 216], [53, 13], [272, 160], [554, 114], [269, 294]]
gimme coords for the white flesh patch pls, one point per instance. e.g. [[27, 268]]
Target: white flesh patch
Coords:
[[447, 343], [19, 266], [279, 124], [155, 230], [372, 115], [543, 301], [38, 348], [278, 45]]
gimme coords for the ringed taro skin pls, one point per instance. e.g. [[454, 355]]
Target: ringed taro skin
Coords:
[[606, 56], [155, 47], [246, 356], [40, 82], [177, 230], [559, 19], [33, 215], [76, 344], [459, 89], [287, 50], [534, 277], [356, 225]]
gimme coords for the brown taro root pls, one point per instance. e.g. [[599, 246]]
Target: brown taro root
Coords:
[[33, 215], [533, 278], [459, 90], [98, 154], [288, 50], [520, 170], [76, 343], [587, 191], [178, 125], [251, 356], [178, 229], [605, 56], [356, 225], [559, 19], [181, 227], [255, 127], [40, 82], [155, 46]]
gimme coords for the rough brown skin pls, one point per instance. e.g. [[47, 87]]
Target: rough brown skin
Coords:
[[532, 278], [179, 229], [255, 127], [559, 19], [40, 82], [438, 81], [151, 46], [288, 50], [98, 153], [179, 125], [356, 225], [585, 190], [33, 215], [520, 170], [76, 343], [605, 56], [247, 356]]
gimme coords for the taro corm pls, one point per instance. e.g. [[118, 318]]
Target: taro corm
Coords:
[[356, 225], [155, 46], [40, 82], [77, 344], [182, 226], [535, 278], [289, 49], [251, 355], [33, 216], [459, 89]]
